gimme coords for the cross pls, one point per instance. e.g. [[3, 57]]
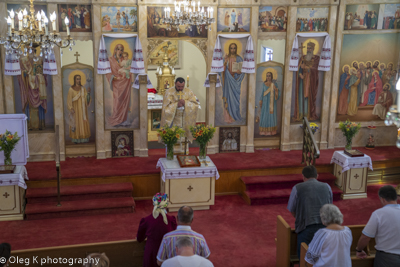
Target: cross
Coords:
[[77, 55], [356, 176], [190, 188], [180, 94], [338, 172], [270, 55], [6, 195]]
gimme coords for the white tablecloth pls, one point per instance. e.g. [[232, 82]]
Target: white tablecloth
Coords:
[[172, 170], [348, 163], [16, 178]]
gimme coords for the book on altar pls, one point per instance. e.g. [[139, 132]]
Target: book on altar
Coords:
[[237, 66]]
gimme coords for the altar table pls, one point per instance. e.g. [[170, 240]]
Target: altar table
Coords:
[[351, 174], [191, 186], [12, 194]]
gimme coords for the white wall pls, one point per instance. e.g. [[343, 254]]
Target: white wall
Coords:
[[84, 49], [278, 46], [194, 65]]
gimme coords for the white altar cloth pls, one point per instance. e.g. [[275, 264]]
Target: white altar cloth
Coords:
[[348, 163], [171, 169], [16, 178]]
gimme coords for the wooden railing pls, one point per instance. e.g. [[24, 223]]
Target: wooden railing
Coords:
[[310, 147]]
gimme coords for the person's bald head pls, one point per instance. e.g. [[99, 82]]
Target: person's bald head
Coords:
[[185, 215]]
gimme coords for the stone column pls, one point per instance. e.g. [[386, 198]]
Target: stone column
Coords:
[[143, 151], [212, 147]]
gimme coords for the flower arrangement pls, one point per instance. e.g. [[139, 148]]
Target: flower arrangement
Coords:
[[314, 127], [169, 136], [7, 144], [202, 134], [349, 129]]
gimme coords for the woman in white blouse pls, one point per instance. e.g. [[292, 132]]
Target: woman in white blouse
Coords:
[[330, 246]]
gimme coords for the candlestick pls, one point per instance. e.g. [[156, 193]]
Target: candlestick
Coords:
[[25, 14], [46, 21], [20, 16], [66, 24], [39, 19], [12, 14], [9, 26]]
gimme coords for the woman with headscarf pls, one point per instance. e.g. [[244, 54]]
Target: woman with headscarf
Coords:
[[154, 227]]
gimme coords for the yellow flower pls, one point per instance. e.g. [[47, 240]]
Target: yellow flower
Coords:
[[9, 137], [177, 136]]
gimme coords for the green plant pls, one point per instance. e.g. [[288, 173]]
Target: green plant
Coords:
[[202, 133], [170, 135]]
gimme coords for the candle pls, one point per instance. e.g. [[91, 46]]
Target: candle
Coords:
[[198, 4], [212, 12], [20, 16], [398, 94], [67, 23], [12, 18], [53, 21], [39, 19], [46, 21], [25, 16], [9, 26]]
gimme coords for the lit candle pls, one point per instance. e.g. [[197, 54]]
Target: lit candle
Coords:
[[20, 17], [198, 4], [194, 6], [39, 19], [53, 20], [212, 12], [25, 16], [9, 25], [66, 24], [12, 14], [46, 21]]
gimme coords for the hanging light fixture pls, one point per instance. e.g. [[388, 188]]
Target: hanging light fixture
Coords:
[[33, 32], [188, 14], [393, 115]]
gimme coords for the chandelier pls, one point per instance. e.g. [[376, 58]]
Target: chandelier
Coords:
[[188, 14], [393, 115], [33, 32]]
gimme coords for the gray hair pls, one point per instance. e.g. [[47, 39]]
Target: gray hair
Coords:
[[184, 241], [330, 214]]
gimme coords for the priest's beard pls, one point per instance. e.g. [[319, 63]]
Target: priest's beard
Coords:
[[309, 56]]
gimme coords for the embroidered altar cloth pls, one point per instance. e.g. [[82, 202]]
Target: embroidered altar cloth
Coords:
[[348, 163], [17, 178]]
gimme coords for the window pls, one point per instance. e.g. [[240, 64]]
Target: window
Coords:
[[268, 54]]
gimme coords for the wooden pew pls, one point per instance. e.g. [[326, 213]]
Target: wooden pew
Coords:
[[286, 243], [126, 253]]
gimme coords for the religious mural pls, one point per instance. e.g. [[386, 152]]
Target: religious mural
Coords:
[[268, 111], [389, 16], [174, 54], [308, 81], [229, 139], [157, 28], [233, 19], [231, 98], [78, 95], [119, 19], [20, 7], [79, 16], [312, 19], [121, 101], [33, 93], [121, 144], [272, 18], [367, 85], [361, 17]]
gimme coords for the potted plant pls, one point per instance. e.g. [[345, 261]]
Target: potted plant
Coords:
[[202, 134], [349, 129], [7, 144], [170, 136]]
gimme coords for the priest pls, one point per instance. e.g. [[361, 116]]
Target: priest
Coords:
[[179, 108]]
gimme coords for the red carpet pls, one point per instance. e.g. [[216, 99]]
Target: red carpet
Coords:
[[261, 159], [237, 234]]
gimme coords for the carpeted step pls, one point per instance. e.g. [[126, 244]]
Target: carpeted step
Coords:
[[79, 208], [79, 192], [281, 181], [268, 196]]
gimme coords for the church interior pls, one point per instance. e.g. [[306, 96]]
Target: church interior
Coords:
[[89, 91]]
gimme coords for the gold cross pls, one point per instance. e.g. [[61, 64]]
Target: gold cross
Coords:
[[180, 94], [190, 188], [356, 176], [77, 55], [6, 195]]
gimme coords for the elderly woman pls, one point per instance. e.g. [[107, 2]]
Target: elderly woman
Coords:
[[330, 246], [154, 227]]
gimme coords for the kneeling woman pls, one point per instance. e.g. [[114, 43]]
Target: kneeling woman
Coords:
[[330, 246]]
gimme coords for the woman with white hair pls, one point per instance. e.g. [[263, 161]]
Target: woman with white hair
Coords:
[[330, 246], [154, 227]]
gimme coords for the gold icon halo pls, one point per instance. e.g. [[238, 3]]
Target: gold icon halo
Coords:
[[274, 74], [384, 65], [352, 70], [119, 138], [229, 42], [77, 72], [352, 63], [346, 66], [389, 64], [379, 63], [316, 48], [122, 42], [361, 63]]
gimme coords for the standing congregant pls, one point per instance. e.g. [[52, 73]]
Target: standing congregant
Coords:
[[305, 202]]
